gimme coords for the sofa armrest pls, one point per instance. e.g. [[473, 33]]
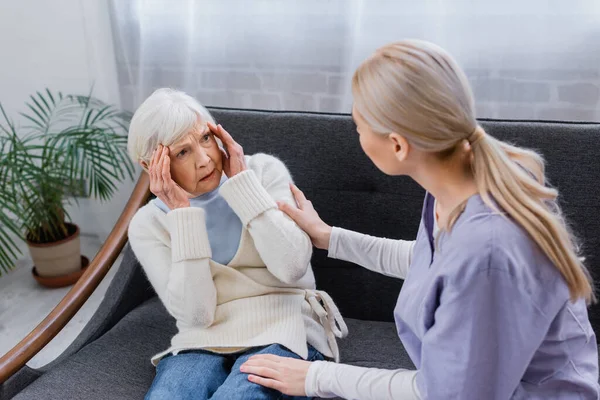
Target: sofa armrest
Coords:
[[41, 335], [128, 289]]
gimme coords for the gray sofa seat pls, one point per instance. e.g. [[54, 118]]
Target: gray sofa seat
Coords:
[[117, 365]]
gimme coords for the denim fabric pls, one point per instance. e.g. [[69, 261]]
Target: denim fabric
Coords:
[[201, 374]]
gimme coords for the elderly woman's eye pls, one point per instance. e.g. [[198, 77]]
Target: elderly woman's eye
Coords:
[[205, 138], [182, 153]]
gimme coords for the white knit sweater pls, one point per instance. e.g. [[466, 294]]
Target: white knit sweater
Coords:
[[265, 295]]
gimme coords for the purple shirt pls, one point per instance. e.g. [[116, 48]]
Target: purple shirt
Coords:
[[484, 314]]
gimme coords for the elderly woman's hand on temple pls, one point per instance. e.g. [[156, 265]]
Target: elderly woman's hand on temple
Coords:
[[161, 183], [233, 154]]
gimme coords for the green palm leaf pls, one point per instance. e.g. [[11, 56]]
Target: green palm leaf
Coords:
[[70, 139]]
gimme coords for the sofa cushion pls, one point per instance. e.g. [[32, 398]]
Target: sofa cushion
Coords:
[[373, 344], [117, 365], [324, 156]]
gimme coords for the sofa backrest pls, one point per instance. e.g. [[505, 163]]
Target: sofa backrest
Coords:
[[324, 156]]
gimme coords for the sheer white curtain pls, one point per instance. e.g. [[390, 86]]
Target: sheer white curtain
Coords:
[[531, 59]]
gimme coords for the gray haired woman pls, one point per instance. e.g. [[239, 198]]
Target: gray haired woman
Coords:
[[228, 265]]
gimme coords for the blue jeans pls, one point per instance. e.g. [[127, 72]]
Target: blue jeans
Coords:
[[203, 375]]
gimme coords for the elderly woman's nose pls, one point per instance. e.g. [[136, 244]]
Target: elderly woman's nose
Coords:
[[202, 158]]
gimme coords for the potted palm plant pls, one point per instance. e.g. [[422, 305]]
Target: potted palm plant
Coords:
[[70, 146]]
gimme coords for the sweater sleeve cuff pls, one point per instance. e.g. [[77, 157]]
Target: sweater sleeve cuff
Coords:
[[334, 239], [189, 239], [246, 196]]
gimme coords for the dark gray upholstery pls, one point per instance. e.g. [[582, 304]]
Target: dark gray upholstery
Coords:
[[117, 366], [110, 359]]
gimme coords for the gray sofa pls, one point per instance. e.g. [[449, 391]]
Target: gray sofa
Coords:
[[110, 359]]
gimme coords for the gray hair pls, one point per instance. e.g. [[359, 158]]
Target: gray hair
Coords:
[[163, 118]]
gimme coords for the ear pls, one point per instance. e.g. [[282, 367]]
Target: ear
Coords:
[[401, 146]]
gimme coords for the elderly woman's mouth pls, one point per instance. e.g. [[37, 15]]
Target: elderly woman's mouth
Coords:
[[209, 176]]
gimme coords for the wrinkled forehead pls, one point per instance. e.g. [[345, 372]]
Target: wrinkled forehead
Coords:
[[200, 129], [195, 132]]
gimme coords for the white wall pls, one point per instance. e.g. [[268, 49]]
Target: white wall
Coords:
[[65, 45]]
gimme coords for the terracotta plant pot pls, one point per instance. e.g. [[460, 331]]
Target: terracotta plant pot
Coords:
[[63, 280], [58, 258]]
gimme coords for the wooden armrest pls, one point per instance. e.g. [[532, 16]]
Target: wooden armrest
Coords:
[[18, 356]]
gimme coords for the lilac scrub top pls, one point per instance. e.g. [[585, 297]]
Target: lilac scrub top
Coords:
[[484, 314]]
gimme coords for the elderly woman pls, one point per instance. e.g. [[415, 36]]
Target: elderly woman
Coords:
[[227, 264]]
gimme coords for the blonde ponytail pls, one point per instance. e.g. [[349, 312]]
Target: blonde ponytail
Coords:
[[415, 88], [514, 179]]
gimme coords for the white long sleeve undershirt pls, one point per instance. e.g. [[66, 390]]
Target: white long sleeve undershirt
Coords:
[[389, 257], [326, 379]]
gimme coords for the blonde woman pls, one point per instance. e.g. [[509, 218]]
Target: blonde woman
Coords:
[[494, 300], [227, 264]]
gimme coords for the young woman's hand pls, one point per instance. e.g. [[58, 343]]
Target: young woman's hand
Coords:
[[307, 219], [161, 183], [286, 375], [233, 154]]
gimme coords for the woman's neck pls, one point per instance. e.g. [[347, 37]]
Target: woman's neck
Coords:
[[450, 184]]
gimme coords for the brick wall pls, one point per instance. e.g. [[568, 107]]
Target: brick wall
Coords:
[[523, 59], [569, 94]]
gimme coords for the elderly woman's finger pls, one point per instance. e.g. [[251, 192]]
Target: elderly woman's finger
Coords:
[[156, 164], [159, 159], [224, 135], [224, 153], [212, 127], [165, 152], [149, 164], [219, 132], [166, 169], [152, 160], [158, 155]]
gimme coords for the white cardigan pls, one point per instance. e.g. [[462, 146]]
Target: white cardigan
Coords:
[[265, 295]]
